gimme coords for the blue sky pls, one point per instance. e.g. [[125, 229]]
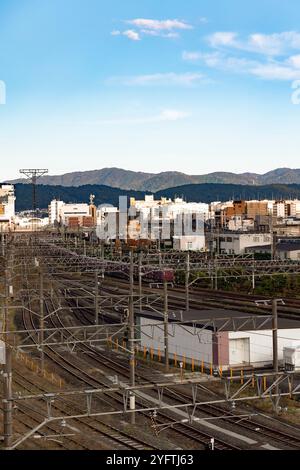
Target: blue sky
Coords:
[[149, 85]]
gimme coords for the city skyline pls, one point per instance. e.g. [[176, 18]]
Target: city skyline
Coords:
[[149, 87]]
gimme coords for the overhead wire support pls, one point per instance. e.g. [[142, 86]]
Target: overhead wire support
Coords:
[[33, 174], [131, 338]]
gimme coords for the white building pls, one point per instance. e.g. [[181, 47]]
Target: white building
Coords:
[[107, 222], [239, 223], [54, 211], [7, 205], [237, 242], [30, 223], [60, 212], [279, 209], [189, 242], [166, 219], [218, 337]]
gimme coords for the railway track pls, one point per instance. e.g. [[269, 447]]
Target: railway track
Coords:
[[104, 429], [177, 296], [208, 298], [256, 427], [184, 430]]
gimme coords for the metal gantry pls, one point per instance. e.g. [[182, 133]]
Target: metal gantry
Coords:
[[39, 268]]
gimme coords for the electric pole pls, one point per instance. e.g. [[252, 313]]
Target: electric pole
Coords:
[[166, 324], [7, 400], [187, 280], [131, 339], [140, 281], [96, 299], [275, 347], [42, 320]]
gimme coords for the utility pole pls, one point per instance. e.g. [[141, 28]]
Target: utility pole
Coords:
[[253, 273], [275, 334], [7, 400], [96, 299], [131, 339], [42, 319], [7, 388], [187, 281], [166, 325], [275, 347], [2, 242], [216, 273], [6, 290], [140, 281]]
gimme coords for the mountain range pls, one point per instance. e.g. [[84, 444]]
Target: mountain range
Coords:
[[153, 182], [206, 192]]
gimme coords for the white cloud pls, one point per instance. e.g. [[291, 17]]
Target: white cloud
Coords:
[[269, 56], [288, 69], [166, 115], [220, 60], [131, 34], [192, 56], [274, 44], [162, 79], [275, 71], [294, 61], [226, 38], [159, 25], [149, 27], [267, 44], [172, 115]]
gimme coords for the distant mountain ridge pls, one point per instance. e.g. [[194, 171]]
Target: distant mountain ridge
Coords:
[[206, 192], [139, 181]]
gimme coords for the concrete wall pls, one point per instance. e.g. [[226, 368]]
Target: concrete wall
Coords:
[[182, 341], [261, 351]]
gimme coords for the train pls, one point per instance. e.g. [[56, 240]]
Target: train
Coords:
[[149, 273]]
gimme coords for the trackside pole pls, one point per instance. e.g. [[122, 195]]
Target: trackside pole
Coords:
[[166, 322], [131, 339]]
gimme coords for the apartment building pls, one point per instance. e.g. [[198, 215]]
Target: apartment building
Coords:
[[7, 206]]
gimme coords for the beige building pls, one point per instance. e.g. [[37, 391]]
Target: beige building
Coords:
[[256, 208]]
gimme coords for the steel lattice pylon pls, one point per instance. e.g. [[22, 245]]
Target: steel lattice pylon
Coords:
[[33, 174]]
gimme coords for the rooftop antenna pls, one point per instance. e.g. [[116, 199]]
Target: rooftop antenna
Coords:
[[33, 174]]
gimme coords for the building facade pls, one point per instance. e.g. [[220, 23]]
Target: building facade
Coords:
[[7, 206]]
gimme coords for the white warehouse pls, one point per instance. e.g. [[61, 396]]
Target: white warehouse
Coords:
[[218, 337]]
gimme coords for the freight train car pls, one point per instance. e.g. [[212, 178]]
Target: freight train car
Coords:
[[149, 273]]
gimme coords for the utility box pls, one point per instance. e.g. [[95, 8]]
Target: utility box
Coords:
[[291, 358], [2, 352]]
